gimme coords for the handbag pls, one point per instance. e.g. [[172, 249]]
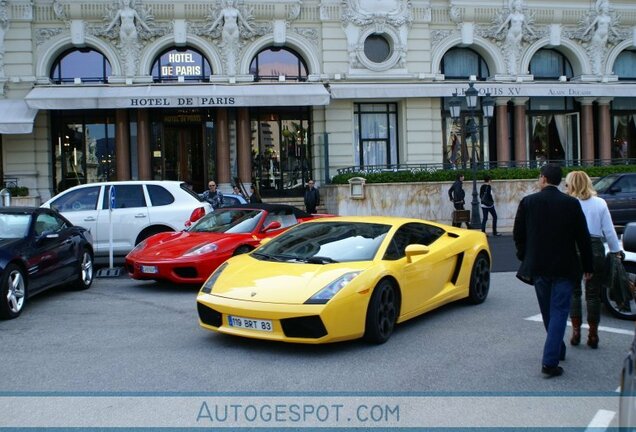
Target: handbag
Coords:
[[620, 288]]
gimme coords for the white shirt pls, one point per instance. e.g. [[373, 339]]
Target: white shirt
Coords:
[[599, 221]]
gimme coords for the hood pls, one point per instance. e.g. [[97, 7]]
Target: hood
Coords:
[[174, 244], [247, 278]]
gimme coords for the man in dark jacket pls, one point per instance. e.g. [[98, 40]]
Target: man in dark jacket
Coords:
[[456, 194], [213, 196], [549, 227], [312, 197]]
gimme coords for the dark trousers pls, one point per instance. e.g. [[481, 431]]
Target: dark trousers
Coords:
[[484, 219], [554, 295]]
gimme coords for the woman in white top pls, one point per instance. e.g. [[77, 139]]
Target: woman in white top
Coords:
[[599, 224]]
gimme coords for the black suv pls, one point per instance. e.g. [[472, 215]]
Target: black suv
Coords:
[[619, 190]]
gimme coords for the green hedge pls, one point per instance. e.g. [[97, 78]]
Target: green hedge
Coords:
[[450, 175], [19, 191]]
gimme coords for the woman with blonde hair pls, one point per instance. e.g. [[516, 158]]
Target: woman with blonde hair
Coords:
[[599, 223]]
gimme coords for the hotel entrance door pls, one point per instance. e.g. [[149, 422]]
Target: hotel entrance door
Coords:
[[180, 149]]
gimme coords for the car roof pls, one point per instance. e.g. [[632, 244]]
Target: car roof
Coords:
[[272, 207], [19, 209]]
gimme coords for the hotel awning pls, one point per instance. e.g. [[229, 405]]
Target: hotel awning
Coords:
[[177, 96], [496, 89], [16, 117]]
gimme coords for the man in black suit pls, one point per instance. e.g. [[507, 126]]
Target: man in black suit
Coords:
[[549, 227]]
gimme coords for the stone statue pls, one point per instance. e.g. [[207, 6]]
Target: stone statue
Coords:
[[128, 19], [232, 19], [515, 23], [4, 25], [600, 29]]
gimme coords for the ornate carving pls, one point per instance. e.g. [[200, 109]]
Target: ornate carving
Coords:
[[44, 34], [512, 27], [390, 17], [598, 29], [134, 25], [311, 34]]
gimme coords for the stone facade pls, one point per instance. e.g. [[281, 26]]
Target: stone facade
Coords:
[[330, 36]]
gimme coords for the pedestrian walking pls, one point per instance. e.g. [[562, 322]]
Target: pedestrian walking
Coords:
[[237, 191], [312, 197], [255, 197], [488, 206], [599, 223], [456, 194], [213, 196], [549, 227]]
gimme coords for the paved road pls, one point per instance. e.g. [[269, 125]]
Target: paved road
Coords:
[[129, 336]]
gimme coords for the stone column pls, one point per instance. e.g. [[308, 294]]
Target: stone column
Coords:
[[604, 130], [122, 145], [144, 156], [244, 146], [222, 148], [521, 128], [503, 132], [587, 130]]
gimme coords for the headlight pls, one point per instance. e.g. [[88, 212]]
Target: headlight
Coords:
[[202, 249], [209, 284], [325, 294]]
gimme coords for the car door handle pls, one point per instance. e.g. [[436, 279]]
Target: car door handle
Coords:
[[89, 219], [140, 215]]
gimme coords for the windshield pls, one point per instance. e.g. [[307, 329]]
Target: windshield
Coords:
[[326, 243], [228, 221], [13, 226], [601, 185]]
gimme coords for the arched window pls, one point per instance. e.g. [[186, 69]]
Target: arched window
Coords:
[[87, 64], [273, 62], [549, 64], [625, 65], [461, 63], [175, 63]]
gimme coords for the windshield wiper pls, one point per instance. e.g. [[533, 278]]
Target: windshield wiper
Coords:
[[266, 257], [320, 260]]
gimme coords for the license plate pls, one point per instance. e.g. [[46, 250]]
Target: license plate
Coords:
[[250, 324], [149, 269]]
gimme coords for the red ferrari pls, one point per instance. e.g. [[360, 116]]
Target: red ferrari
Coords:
[[190, 256]]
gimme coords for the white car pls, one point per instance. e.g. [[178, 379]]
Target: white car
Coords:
[[140, 209]]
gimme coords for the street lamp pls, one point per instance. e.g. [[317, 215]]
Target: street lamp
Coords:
[[488, 106]]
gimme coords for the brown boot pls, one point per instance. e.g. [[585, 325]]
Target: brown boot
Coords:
[[576, 331], [592, 336]]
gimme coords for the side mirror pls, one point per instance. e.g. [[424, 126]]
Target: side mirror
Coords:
[[629, 237], [615, 189], [47, 235], [414, 250], [272, 226]]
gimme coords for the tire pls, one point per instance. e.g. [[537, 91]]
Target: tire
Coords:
[[626, 312], [13, 292], [85, 271], [242, 250], [479, 279], [382, 313]]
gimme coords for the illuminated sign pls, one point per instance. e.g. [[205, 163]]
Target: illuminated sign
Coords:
[[188, 64]]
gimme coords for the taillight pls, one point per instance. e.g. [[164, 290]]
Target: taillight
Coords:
[[197, 214]]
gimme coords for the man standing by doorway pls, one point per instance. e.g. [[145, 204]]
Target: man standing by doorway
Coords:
[[213, 196], [312, 197], [549, 228]]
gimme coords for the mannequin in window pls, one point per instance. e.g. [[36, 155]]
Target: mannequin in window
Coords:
[[232, 18], [601, 27], [515, 22]]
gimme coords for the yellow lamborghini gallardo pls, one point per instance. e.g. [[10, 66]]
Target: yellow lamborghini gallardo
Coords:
[[343, 278]]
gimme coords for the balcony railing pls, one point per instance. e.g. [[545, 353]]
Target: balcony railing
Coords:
[[487, 165]]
